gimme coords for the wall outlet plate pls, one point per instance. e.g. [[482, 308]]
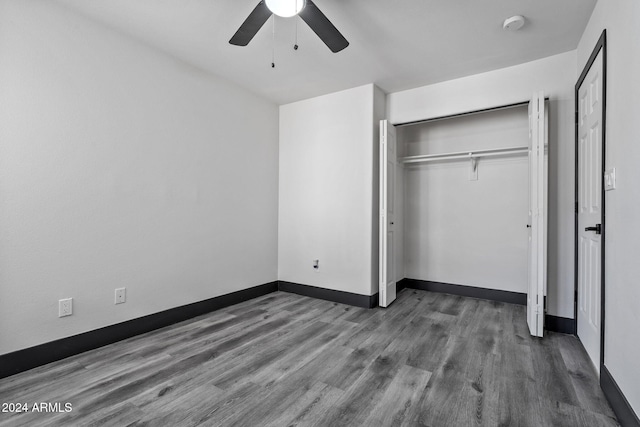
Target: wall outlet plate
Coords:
[[65, 307], [610, 179], [121, 295]]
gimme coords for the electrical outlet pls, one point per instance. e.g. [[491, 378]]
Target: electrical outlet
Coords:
[[121, 295], [65, 307]]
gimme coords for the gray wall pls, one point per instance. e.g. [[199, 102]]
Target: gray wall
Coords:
[[326, 177], [622, 321], [556, 75], [120, 166], [462, 231]]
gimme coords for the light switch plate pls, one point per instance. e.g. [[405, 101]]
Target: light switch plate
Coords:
[[610, 179]]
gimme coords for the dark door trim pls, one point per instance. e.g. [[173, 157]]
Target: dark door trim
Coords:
[[601, 45]]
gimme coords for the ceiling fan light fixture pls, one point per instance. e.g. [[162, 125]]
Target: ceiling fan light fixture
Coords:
[[285, 8]]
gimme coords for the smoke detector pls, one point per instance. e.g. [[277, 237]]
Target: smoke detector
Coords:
[[514, 23]]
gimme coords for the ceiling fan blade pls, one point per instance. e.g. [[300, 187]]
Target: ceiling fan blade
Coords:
[[321, 25], [251, 25]]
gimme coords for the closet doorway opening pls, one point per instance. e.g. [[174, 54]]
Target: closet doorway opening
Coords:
[[469, 198]]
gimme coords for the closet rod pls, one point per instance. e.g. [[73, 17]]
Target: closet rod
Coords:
[[465, 154], [466, 113]]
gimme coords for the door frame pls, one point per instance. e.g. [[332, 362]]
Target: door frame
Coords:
[[601, 45]]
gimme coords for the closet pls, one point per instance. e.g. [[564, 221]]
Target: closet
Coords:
[[463, 202]]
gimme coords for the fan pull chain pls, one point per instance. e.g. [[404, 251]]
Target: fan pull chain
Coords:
[[295, 46], [273, 41]]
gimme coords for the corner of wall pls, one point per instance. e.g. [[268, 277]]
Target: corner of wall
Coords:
[[379, 113]]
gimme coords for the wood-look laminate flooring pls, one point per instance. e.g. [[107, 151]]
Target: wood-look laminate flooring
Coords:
[[287, 360]]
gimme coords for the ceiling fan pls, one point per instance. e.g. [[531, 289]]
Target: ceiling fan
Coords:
[[307, 10]]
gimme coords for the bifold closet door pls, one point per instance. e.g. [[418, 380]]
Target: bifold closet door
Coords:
[[538, 185], [388, 229]]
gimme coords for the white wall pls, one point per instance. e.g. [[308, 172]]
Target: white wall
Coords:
[[120, 166], [621, 19], [379, 113], [461, 231], [326, 198], [556, 75]]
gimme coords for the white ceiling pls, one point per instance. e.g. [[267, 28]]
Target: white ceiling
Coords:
[[396, 44]]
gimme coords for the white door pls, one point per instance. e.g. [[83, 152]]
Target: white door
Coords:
[[590, 209], [538, 156], [388, 166]]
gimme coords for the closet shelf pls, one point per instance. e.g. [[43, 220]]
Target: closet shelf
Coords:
[[465, 154]]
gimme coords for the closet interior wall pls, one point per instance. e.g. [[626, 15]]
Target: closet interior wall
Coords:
[[461, 231]]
